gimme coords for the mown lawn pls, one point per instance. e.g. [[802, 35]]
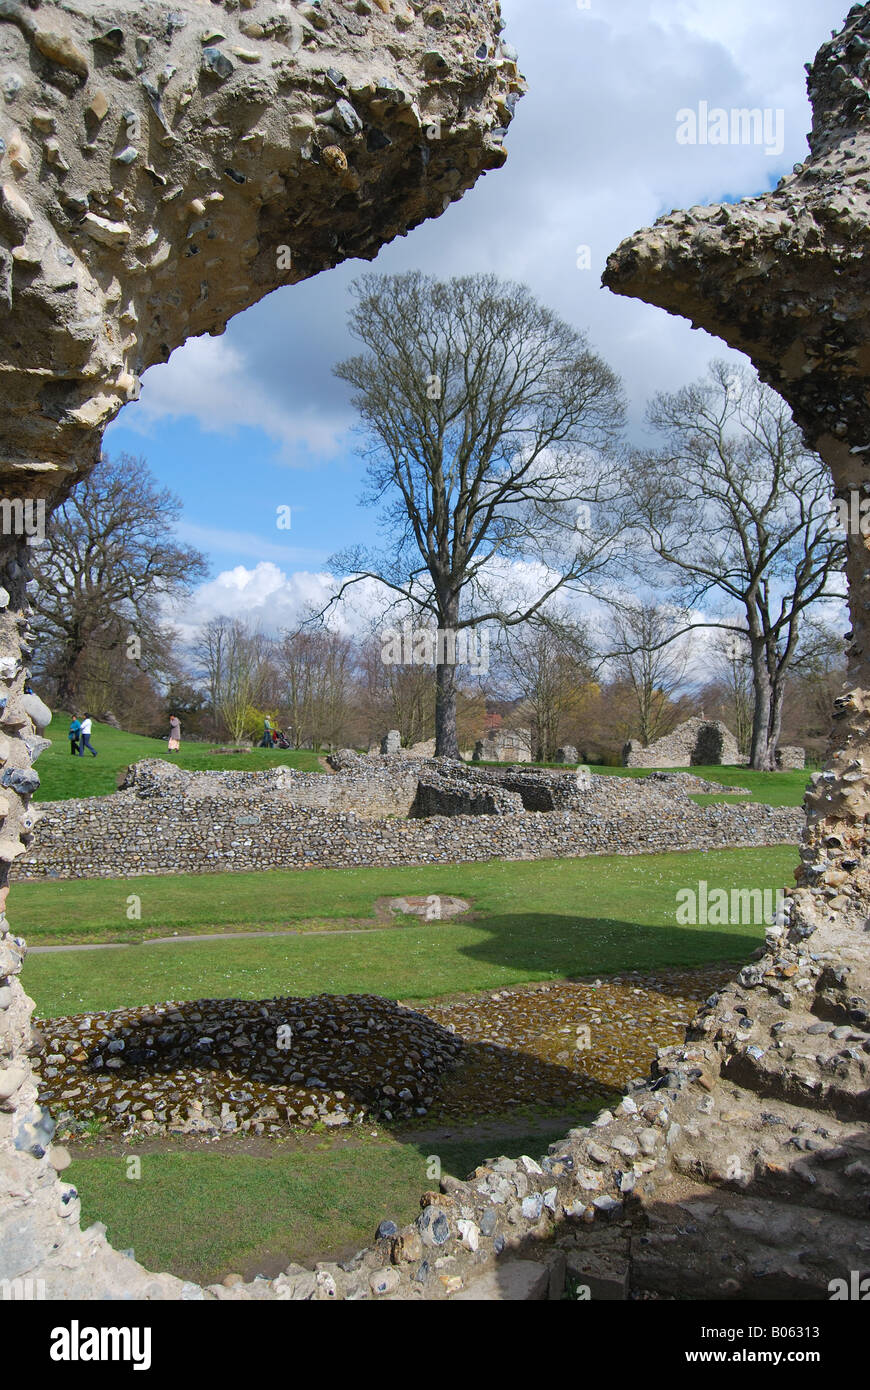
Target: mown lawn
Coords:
[[769, 788], [552, 919], [63, 776], [205, 1214], [57, 911]]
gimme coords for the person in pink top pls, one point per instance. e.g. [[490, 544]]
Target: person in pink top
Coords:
[[174, 733]]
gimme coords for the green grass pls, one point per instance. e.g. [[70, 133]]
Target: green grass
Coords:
[[769, 788], [304, 1199], [551, 919], [94, 910], [63, 776]]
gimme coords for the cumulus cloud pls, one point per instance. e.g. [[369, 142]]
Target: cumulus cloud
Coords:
[[215, 381], [592, 156], [273, 600]]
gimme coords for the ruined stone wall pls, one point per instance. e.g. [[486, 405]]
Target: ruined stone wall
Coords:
[[739, 1168], [162, 167], [371, 790], [694, 743], [176, 830]]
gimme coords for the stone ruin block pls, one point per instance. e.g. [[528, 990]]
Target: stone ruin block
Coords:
[[568, 754], [694, 743]]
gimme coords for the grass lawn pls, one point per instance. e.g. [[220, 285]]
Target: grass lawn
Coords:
[[318, 1195], [62, 776], [309, 1197], [56, 912], [551, 919], [770, 788]]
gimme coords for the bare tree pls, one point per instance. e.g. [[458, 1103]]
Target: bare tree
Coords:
[[107, 577], [652, 660], [739, 509], [486, 418], [315, 669], [397, 695], [735, 664], [547, 662], [234, 658], [818, 675]]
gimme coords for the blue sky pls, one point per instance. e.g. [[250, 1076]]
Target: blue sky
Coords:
[[242, 424]]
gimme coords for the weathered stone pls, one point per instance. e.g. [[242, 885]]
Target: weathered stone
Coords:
[[780, 278], [126, 282], [519, 1281], [162, 816], [694, 743]]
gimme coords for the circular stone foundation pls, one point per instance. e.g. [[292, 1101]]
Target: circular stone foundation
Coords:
[[228, 1065], [432, 907]]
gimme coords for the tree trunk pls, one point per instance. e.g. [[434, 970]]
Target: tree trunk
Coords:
[[759, 755], [446, 740], [775, 729]]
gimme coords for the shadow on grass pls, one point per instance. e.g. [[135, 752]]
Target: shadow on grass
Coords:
[[572, 950]]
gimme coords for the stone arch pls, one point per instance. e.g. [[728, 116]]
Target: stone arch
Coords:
[[165, 166]]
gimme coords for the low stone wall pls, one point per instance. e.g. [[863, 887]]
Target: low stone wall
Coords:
[[193, 823]]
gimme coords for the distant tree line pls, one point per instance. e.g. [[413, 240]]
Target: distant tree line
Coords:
[[509, 501]]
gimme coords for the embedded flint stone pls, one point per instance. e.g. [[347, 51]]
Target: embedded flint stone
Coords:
[[144, 104], [782, 277], [102, 275]]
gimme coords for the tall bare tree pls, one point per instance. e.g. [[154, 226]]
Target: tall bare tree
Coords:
[[486, 418], [548, 663], [652, 661], [315, 669], [107, 575], [235, 661], [738, 509]]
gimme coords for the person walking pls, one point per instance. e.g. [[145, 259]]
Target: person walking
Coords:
[[266, 740], [75, 729], [174, 733], [85, 737]]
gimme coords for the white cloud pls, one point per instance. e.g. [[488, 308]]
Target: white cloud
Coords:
[[271, 599], [216, 383], [592, 157]]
